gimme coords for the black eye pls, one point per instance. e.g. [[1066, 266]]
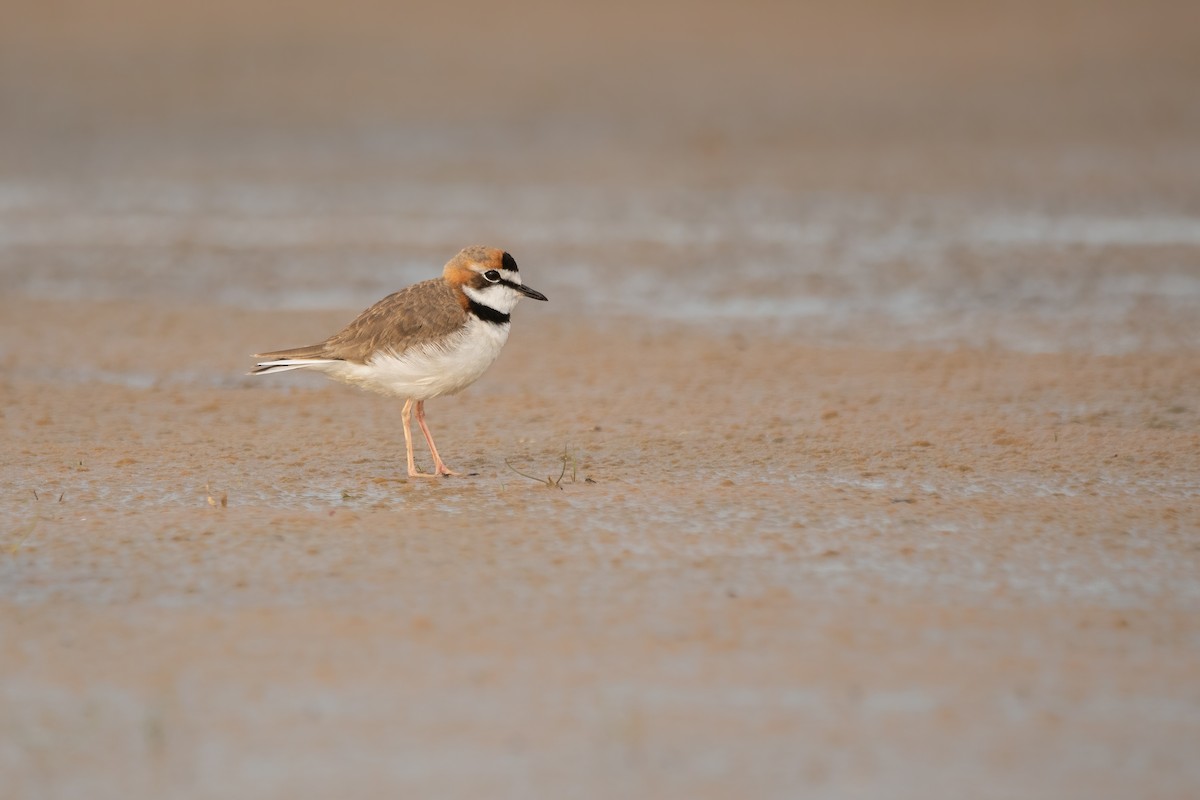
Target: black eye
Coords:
[[492, 275]]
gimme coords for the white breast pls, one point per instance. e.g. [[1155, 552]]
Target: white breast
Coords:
[[423, 371]]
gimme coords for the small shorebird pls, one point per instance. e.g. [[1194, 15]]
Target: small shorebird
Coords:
[[433, 338]]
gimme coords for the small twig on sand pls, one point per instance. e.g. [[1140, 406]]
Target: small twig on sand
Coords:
[[549, 482]]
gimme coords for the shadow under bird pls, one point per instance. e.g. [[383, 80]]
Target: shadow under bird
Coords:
[[433, 338]]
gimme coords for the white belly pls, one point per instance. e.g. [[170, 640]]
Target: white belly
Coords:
[[428, 370]]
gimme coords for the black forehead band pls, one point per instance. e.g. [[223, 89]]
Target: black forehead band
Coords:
[[509, 263]]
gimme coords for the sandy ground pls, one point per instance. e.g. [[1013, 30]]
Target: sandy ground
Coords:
[[861, 435]]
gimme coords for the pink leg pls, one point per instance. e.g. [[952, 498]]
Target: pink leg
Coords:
[[406, 415], [439, 466]]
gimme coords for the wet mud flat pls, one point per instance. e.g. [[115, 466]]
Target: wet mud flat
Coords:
[[916, 566], [856, 453]]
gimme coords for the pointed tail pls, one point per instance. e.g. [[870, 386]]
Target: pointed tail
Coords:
[[283, 365], [297, 358]]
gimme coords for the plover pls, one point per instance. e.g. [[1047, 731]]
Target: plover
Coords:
[[433, 338]]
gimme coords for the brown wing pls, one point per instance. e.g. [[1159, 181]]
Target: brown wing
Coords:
[[422, 311], [425, 310], [312, 351]]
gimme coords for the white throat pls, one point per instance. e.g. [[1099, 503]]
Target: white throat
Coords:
[[495, 295]]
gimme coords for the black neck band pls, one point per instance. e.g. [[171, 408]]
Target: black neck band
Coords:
[[487, 313]]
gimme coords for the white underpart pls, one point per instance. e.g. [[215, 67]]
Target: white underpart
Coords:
[[426, 370]]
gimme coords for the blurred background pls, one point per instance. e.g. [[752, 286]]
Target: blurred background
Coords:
[[1021, 175], [834, 527]]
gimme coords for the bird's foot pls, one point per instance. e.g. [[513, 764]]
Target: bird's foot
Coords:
[[441, 471]]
